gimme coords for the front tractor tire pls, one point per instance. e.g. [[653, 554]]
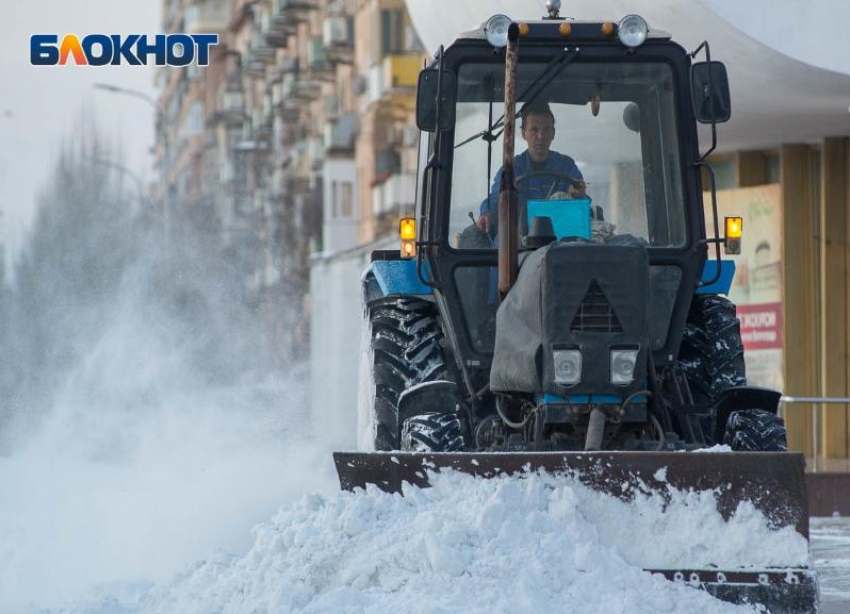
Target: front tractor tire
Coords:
[[432, 433], [406, 350], [712, 359], [756, 430], [712, 353]]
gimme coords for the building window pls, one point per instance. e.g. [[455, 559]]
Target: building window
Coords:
[[392, 32], [334, 193], [196, 118], [771, 164], [724, 173], [347, 199]]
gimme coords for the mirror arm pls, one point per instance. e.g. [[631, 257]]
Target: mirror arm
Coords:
[[693, 53], [431, 170], [716, 240], [428, 173], [439, 101]]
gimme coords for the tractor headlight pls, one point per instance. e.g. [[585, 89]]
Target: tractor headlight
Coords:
[[623, 366], [567, 366], [632, 30], [497, 30]]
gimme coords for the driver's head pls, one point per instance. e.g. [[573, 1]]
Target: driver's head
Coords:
[[538, 130]]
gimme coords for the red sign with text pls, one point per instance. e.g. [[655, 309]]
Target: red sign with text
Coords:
[[761, 326]]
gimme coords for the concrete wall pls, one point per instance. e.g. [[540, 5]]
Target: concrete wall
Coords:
[[335, 343], [339, 231]]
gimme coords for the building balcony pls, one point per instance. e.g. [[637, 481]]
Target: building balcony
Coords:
[[296, 11], [286, 103], [254, 68], [284, 24], [249, 143], [263, 124], [340, 137], [277, 93], [263, 133], [283, 70], [387, 163], [258, 54], [277, 40], [316, 153], [331, 106], [206, 17], [402, 71], [306, 89], [274, 31], [393, 195], [230, 107], [290, 110], [299, 158], [317, 60], [396, 74], [338, 39]]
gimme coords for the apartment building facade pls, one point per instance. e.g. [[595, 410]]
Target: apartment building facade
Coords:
[[293, 141]]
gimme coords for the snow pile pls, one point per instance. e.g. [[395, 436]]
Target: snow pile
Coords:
[[116, 495], [538, 544]]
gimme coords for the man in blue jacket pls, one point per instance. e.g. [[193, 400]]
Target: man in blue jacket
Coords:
[[538, 131]]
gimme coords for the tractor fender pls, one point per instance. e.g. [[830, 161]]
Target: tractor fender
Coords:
[[394, 277], [723, 283]]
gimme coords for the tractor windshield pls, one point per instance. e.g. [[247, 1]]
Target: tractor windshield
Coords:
[[596, 151]]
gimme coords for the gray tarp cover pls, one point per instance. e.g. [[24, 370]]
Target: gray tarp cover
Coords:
[[549, 292], [519, 330]]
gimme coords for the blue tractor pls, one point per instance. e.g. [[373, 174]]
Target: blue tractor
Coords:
[[563, 308]]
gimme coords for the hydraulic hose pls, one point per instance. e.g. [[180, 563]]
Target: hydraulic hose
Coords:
[[661, 439], [508, 421], [630, 398]]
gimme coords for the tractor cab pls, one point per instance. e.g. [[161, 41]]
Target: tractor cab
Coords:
[[606, 153]]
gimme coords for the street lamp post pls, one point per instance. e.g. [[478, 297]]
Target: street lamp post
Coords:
[[166, 200], [126, 171], [108, 87]]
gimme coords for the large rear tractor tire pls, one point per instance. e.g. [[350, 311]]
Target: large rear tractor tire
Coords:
[[712, 354], [406, 351], [756, 430]]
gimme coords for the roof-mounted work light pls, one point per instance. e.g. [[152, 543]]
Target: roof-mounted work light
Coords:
[[497, 30], [632, 30]]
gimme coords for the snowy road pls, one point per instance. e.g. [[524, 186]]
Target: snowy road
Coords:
[[831, 554]]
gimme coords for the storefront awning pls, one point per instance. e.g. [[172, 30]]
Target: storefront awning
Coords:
[[775, 98]]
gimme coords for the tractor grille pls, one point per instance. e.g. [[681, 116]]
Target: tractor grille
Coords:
[[595, 314]]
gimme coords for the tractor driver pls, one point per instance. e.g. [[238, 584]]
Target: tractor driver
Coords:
[[538, 131]]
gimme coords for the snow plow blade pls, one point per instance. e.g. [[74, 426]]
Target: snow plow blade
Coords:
[[774, 482]]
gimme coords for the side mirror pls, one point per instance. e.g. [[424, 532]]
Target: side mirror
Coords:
[[426, 100], [711, 102]]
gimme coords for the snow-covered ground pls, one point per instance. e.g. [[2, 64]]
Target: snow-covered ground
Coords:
[[540, 544], [831, 557]]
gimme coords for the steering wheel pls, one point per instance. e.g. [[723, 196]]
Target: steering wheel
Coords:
[[578, 184]]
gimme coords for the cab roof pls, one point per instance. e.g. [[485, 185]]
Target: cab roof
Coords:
[[549, 29]]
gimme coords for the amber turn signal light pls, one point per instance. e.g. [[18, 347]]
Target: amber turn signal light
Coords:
[[734, 230], [407, 234]]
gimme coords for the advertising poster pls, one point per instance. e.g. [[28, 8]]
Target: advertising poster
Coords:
[[757, 286]]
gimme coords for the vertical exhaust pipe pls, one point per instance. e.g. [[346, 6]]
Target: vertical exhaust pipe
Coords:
[[595, 430], [508, 224]]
